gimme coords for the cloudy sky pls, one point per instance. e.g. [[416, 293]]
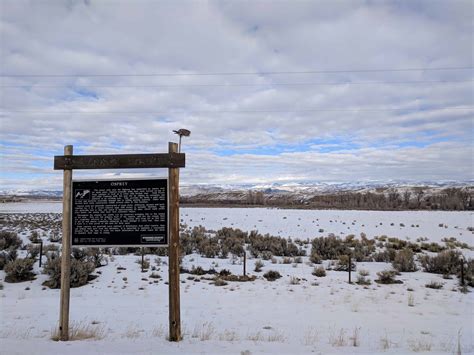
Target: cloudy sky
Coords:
[[273, 91]]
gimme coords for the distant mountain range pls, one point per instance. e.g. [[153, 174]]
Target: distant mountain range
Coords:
[[300, 189], [315, 188]]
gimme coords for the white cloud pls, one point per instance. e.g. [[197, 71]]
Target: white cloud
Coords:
[[144, 37]]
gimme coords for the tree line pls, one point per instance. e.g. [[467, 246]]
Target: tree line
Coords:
[[417, 198]]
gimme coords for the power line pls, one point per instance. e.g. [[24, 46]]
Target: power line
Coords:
[[242, 73], [236, 111], [32, 86]]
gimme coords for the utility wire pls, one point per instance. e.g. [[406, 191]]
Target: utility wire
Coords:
[[242, 73], [236, 111], [72, 86]]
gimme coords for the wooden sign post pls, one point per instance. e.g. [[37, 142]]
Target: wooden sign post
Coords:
[[173, 161], [66, 251], [173, 252]]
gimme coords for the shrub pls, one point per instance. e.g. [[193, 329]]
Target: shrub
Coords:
[[434, 284], [343, 264], [272, 275], [34, 236], [446, 262], [97, 257], [219, 282], [224, 272], [80, 272], [19, 270], [294, 280], [197, 271], [362, 277], [319, 271], [469, 273], [396, 243], [387, 277], [33, 251], [362, 252], [231, 241], [209, 247], [7, 256], [50, 248], [432, 247], [125, 250], [79, 254], [329, 247], [258, 266], [238, 278], [315, 257], [275, 245], [146, 263], [266, 255], [9, 240], [55, 237], [381, 257], [404, 261], [93, 255]]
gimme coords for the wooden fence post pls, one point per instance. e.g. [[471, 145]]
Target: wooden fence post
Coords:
[[350, 267], [66, 251], [41, 252], [174, 251], [245, 262]]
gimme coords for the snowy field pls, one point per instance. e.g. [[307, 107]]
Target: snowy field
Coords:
[[311, 315], [303, 224]]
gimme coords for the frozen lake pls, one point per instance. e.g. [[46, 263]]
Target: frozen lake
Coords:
[[311, 223]]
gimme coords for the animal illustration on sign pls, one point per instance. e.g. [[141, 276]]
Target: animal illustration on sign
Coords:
[[83, 194]]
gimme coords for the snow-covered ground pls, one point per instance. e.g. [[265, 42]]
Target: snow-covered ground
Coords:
[[319, 315], [307, 223]]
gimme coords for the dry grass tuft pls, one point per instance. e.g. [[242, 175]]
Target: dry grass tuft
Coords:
[[386, 343], [355, 341], [338, 339], [276, 336], [229, 335], [81, 331], [418, 345], [203, 332], [133, 332], [158, 331], [311, 336], [255, 336]]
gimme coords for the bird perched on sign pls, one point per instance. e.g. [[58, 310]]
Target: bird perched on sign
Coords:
[[182, 132]]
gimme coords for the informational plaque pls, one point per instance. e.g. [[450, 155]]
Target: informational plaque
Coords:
[[120, 212]]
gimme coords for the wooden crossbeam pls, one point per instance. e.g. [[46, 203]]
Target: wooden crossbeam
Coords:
[[119, 161]]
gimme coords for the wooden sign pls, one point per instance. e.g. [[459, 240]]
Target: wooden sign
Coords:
[[118, 216]]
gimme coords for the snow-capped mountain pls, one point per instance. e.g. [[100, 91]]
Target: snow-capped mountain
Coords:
[[294, 190]]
